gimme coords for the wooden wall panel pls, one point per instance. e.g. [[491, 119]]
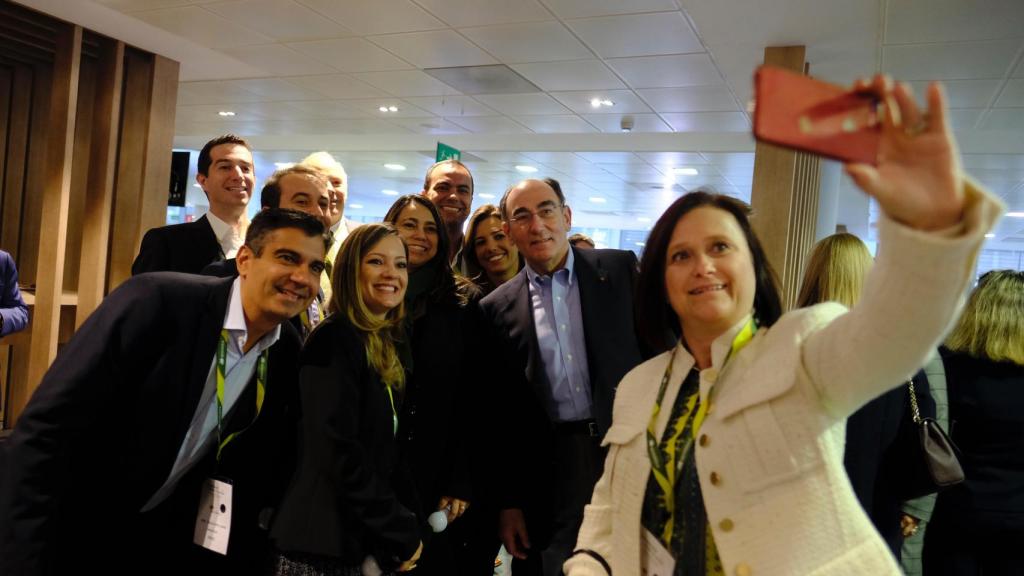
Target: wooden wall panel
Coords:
[[6, 76], [32, 200], [160, 141], [59, 139], [92, 281], [79, 171], [17, 157]]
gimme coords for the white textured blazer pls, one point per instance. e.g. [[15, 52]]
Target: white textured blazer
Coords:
[[770, 452]]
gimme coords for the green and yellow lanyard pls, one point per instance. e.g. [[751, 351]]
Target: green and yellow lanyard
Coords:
[[665, 473], [261, 388]]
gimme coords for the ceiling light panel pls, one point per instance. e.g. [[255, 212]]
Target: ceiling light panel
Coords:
[[476, 80]]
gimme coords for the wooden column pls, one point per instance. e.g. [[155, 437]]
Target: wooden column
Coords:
[[60, 135], [17, 155], [100, 190], [784, 196]]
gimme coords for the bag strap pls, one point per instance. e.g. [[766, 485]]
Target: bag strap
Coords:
[[914, 410], [600, 559]]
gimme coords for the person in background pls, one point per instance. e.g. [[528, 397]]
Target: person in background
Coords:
[[437, 414], [449, 185], [582, 241], [138, 420], [725, 451], [13, 311], [227, 176], [490, 256], [337, 182], [343, 504], [977, 527], [836, 270]]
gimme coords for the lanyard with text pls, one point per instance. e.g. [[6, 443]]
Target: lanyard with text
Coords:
[[665, 472], [261, 387]]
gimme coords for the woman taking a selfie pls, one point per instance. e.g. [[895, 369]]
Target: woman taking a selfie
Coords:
[[726, 451], [342, 505]]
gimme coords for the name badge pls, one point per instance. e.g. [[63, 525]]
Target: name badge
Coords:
[[655, 559], [213, 522]]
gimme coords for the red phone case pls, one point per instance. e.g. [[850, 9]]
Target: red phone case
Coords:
[[796, 111]]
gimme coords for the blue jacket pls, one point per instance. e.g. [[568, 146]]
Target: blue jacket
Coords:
[[12, 307]]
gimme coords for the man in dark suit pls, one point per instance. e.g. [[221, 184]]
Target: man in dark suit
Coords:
[[564, 328], [176, 388], [227, 177]]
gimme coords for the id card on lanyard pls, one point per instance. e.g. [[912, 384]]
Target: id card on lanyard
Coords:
[[213, 520]]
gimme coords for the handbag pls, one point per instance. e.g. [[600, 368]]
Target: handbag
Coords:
[[932, 464]]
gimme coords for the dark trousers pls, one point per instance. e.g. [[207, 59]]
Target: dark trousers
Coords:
[[578, 461], [953, 547]]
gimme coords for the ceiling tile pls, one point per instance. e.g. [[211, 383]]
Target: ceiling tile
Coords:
[[612, 158], [913, 21], [139, 5], [574, 75], [690, 99], [612, 123], [202, 26], [637, 34], [672, 159], [950, 61], [523, 104], [276, 89], [962, 93], [377, 16], [366, 126], [406, 83], [625, 101], [667, 71], [560, 124], [329, 109], [531, 42], [214, 92], [1003, 119], [586, 8], [491, 124], [459, 13], [282, 20], [1012, 94], [371, 106], [964, 118], [452, 106], [279, 59], [209, 113], [729, 159], [434, 49], [352, 55], [338, 86], [430, 126]]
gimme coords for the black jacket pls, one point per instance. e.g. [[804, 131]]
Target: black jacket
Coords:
[[102, 431], [342, 502], [186, 247]]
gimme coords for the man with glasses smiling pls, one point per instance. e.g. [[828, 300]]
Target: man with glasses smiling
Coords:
[[564, 330]]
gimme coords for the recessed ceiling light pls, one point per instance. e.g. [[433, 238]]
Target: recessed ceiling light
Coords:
[[685, 171], [598, 102], [643, 219], [1015, 214], [485, 195], [226, 113], [397, 167], [355, 206], [389, 192], [526, 169], [283, 165], [597, 199], [990, 235], [388, 108]]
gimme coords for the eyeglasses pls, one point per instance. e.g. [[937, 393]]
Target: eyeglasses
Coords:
[[546, 214]]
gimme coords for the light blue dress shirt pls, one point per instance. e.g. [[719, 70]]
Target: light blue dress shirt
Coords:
[[239, 369], [555, 301]]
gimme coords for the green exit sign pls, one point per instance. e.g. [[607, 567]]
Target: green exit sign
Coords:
[[446, 152]]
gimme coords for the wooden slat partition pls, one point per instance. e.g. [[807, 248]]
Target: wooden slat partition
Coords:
[[100, 190], [17, 156], [56, 195], [784, 196]]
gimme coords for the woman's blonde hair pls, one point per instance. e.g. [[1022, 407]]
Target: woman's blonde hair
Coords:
[[992, 324], [379, 335], [836, 271]]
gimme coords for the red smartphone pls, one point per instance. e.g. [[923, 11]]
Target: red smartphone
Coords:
[[795, 111]]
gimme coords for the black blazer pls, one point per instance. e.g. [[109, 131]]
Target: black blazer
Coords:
[[186, 247], [342, 502], [102, 431], [606, 282]]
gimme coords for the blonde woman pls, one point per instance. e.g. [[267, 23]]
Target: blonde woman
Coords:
[[490, 255], [342, 504], [978, 527], [836, 271]]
